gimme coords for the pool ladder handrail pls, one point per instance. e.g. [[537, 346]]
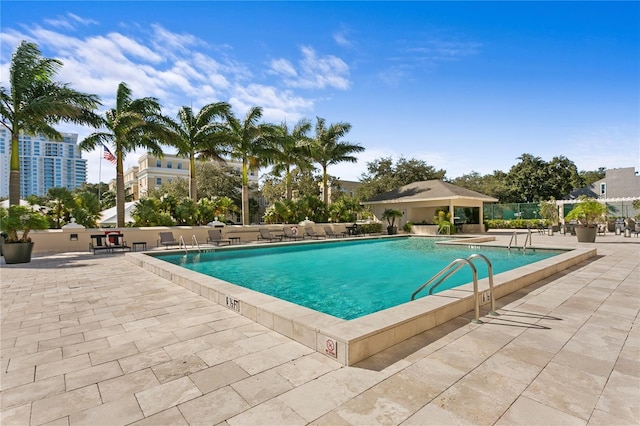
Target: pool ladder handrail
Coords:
[[454, 267], [514, 240], [194, 243]]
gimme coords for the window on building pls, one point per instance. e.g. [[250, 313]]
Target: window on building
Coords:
[[158, 181], [158, 163], [169, 165], [603, 189], [179, 166]]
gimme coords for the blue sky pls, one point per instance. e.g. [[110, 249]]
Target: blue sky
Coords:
[[464, 86]]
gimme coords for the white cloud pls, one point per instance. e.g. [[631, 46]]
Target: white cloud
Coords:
[[342, 39], [314, 72]]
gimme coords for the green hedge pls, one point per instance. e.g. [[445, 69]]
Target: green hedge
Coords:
[[516, 223], [370, 228]]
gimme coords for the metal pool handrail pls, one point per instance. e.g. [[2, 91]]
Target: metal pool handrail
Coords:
[[454, 267]]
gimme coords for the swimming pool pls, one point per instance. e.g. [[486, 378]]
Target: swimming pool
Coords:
[[349, 279]]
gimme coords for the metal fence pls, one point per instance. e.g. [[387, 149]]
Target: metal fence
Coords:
[[510, 211]]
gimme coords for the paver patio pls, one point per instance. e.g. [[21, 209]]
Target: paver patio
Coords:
[[89, 340]]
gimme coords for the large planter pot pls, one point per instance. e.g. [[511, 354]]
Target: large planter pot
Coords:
[[586, 235], [392, 230], [17, 252]]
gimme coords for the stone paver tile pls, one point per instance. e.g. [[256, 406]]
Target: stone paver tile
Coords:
[[37, 337], [31, 392], [59, 342], [110, 354], [62, 366], [80, 328], [188, 333], [16, 378], [263, 360], [157, 340], [218, 376], [172, 417], [389, 402], [143, 360], [17, 416], [177, 368], [620, 397], [214, 407], [101, 332], [118, 412], [167, 395], [139, 324], [460, 405], [307, 368], [272, 412], [261, 387], [528, 354], [221, 354], [30, 360], [602, 418], [524, 410], [85, 348], [132, 383], [569, 390], [91, 375], [62, 421], [122, 338], [330, 419], [188, 347], [54, 407]]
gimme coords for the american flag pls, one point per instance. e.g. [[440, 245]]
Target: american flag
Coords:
[[107, 155]]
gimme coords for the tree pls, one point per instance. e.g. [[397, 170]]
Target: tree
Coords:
[[535, 180], [218, 180], [133, 123], [35, 102], [291, 149], [383, 176], [62, 202], [199, 133], [326, 149], [248, 145]]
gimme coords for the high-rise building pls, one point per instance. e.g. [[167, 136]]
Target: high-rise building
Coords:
[[44, 163]]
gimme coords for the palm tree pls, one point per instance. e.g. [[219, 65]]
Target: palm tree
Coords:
[[35, 102], [133, 123], [327, 150], [248, 144], [290, 150], [199, 133]]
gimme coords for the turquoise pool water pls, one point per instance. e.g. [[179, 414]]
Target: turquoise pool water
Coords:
[[349, 279]]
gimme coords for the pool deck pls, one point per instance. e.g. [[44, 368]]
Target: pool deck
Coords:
[[97, 340]]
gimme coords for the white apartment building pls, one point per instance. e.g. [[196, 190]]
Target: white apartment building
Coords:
[[44, 163], [152, 172]]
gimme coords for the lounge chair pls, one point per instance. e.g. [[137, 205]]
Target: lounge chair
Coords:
[[330, 233], [215, 237], [265, 234], [115, 241], [166, 239], [289, 234], [309, 232], [99, 242]]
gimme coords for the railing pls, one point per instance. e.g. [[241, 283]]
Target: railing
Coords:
[[514, 240], [454, 267], [443, 230], [194, 243]]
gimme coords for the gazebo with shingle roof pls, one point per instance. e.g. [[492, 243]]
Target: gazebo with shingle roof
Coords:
[[419, 201]]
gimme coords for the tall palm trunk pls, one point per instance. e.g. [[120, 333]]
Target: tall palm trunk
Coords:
[[193, 190], [120, 197], [288, 183], [325, 187], [245, 193], [14, 167]]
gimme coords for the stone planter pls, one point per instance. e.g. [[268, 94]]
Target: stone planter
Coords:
[[586, 235], [392, 230], [17, 252]]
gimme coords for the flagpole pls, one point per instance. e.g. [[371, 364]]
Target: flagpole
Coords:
[[100, 177]]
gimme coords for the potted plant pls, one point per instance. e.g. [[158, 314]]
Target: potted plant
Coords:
[[390, 216], [587, 212], [17, 247]]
